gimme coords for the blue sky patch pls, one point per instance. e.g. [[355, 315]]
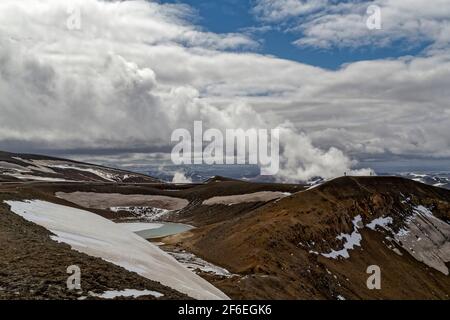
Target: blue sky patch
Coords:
[[229, 16]]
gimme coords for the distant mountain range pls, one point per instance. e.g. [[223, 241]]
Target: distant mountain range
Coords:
[[25, 167], [437, 179]]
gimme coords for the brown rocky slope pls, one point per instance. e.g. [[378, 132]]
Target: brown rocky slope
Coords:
[[318, 244]]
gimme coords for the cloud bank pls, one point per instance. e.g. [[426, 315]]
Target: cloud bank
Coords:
[[137, 70]]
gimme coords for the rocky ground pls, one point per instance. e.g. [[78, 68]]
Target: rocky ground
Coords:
[[277, 249], [32, 266]]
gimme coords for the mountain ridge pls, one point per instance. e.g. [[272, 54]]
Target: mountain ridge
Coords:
[[31, 167], [341, 226]]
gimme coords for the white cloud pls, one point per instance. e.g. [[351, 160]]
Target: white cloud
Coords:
[[180, 177], [278, 10], [138, 70], [343, 23], [302, 161]]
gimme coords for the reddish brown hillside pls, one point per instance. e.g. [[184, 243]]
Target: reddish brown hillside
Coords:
[[319, 243]]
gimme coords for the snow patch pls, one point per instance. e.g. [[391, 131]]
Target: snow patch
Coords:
[[147, 213], [104, 174], [382, 222], [127, 293], [351, 241], [94, 235], [136, 227], [36, 178], [194, 263]]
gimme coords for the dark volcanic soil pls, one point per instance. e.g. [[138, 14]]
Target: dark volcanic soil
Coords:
[[32, 266]]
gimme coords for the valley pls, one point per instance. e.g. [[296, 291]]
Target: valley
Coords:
[[219, 239]]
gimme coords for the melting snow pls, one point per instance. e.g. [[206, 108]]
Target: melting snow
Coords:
[[36, 165], [136, 227], [380, 222], [195, 263], [36, 178], [351, 241], [100, 173], [127, 293], [91, 234], [422, 210], [31, 167], [147, 213]]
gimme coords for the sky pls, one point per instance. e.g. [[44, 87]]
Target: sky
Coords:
[[228, 16], [110, 81]]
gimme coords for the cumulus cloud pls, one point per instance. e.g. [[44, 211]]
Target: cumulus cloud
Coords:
[[301, 160], [180, 177], [137, 70]]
